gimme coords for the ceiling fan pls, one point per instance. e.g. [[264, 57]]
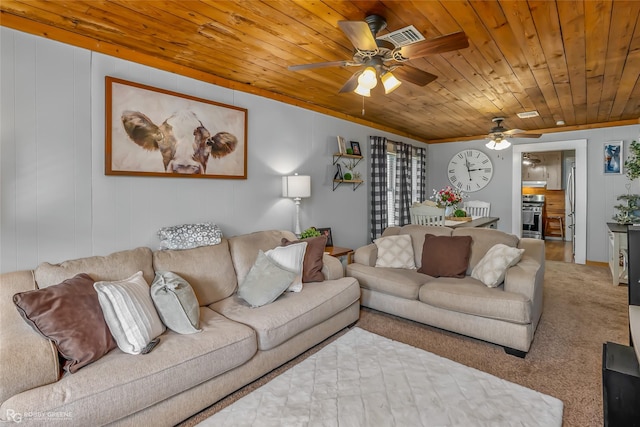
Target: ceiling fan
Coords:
[[498, 135], [380, 57]]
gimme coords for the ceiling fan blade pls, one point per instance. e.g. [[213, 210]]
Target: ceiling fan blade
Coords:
[[318, 65], [525, 135], [359, 34], [351, 84], [441, 44], [413, 75]]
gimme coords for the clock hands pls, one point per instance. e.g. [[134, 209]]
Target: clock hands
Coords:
[[466, 163]]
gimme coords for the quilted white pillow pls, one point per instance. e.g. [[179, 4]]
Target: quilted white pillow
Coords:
[[129, 312], [290, 258], [395, 252], [493, 266]]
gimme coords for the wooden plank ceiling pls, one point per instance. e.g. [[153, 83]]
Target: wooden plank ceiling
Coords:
[[571, 60]]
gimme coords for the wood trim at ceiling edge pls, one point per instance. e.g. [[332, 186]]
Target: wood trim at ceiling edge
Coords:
[[64, 36]]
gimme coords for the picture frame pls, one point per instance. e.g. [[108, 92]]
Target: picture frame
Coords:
[[326, 232], [338, 174], [355, 146], [342, 147], [157, 132], [612, 158]]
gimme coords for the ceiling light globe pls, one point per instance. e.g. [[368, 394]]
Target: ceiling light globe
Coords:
[[368, 78], [390, 82], [362, 90]]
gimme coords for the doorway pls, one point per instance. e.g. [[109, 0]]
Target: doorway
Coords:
[[580, 229]]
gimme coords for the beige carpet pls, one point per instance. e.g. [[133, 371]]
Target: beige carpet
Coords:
[[581, 311]]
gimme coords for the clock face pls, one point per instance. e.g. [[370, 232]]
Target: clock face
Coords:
[[470, 170]]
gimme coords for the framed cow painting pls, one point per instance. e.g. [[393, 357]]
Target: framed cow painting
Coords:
[[156, 132]]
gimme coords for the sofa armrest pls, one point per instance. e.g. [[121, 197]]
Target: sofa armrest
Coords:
[[366, 255], [27, 360], [332, 267]]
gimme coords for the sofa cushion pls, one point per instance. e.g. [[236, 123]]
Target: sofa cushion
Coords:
[[492, 268], [129, 312], [176, 302], [312, 265], [208, 270], [68, 314], [265, 282], [119, 384], [484, 239], [445, 256], [471, 296], [115, 266], [293, 312], [395, 252], [244, 248], [417, 233], [291, 258], [392, 281]]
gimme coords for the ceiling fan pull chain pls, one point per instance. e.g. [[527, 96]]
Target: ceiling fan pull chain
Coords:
[[363, 105]]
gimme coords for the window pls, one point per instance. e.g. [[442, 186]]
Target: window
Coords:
[[391, 183]]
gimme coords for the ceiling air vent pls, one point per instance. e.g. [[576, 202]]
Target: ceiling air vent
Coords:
[[403, 36], [528, 114]]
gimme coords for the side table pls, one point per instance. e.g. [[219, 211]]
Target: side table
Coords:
[[339, 252]]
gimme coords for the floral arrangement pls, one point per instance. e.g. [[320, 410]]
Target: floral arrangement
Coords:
[[447, 196]]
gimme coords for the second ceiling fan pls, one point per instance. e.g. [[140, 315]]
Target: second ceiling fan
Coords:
[[382, 59]]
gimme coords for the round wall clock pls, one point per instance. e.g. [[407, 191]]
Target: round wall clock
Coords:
[[470, 170]]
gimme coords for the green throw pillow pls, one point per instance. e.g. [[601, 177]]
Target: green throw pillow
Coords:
[[265, 282], [176, 303]]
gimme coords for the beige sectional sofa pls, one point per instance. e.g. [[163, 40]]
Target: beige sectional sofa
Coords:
[[506, 315], [184, 373]]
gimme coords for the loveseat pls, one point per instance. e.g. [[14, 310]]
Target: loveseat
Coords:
[[506, 314], [184, 373]]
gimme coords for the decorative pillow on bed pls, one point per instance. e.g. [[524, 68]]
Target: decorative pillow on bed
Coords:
[[312, 264], [492, 268], [176, 303], [129, 312], [445, 256], [291, 258], [265, 282], [395, 252], [189, 236], [68, 314]]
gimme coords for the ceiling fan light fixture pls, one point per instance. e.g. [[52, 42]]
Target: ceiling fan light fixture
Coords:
[[390, 82], [498, 144], [362, 90], [368, 78]]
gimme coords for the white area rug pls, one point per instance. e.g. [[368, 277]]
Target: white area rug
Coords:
[[363, 379]]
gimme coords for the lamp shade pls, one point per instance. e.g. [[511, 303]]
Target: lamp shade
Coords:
[[295, 186], [389, 82]]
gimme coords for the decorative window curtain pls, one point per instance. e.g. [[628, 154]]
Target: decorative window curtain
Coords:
[[402, 200], [420, 173], [378, 152]]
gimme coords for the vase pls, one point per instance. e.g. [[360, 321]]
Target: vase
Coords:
[[449, 210]]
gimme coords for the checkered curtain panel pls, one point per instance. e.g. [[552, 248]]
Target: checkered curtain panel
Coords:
[[421, 168], [378, 185], [403, 183]]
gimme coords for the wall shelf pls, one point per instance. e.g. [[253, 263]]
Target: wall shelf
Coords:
[[356, 183], [338, 156]]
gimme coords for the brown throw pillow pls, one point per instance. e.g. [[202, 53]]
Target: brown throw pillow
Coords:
[[445, 256], [312, 263], [68, 314]]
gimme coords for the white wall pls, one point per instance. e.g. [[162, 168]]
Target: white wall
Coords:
[[57, 204], [602, 190]]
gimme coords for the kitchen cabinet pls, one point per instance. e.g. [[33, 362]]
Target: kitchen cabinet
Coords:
[[549, 169], [553, 170]]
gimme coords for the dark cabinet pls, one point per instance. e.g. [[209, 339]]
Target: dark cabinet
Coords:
[[633, 257]]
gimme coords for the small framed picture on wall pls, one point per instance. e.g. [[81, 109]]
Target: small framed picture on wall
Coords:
[[612, 158]]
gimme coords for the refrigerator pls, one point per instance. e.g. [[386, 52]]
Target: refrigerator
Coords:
[[571, 205]]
